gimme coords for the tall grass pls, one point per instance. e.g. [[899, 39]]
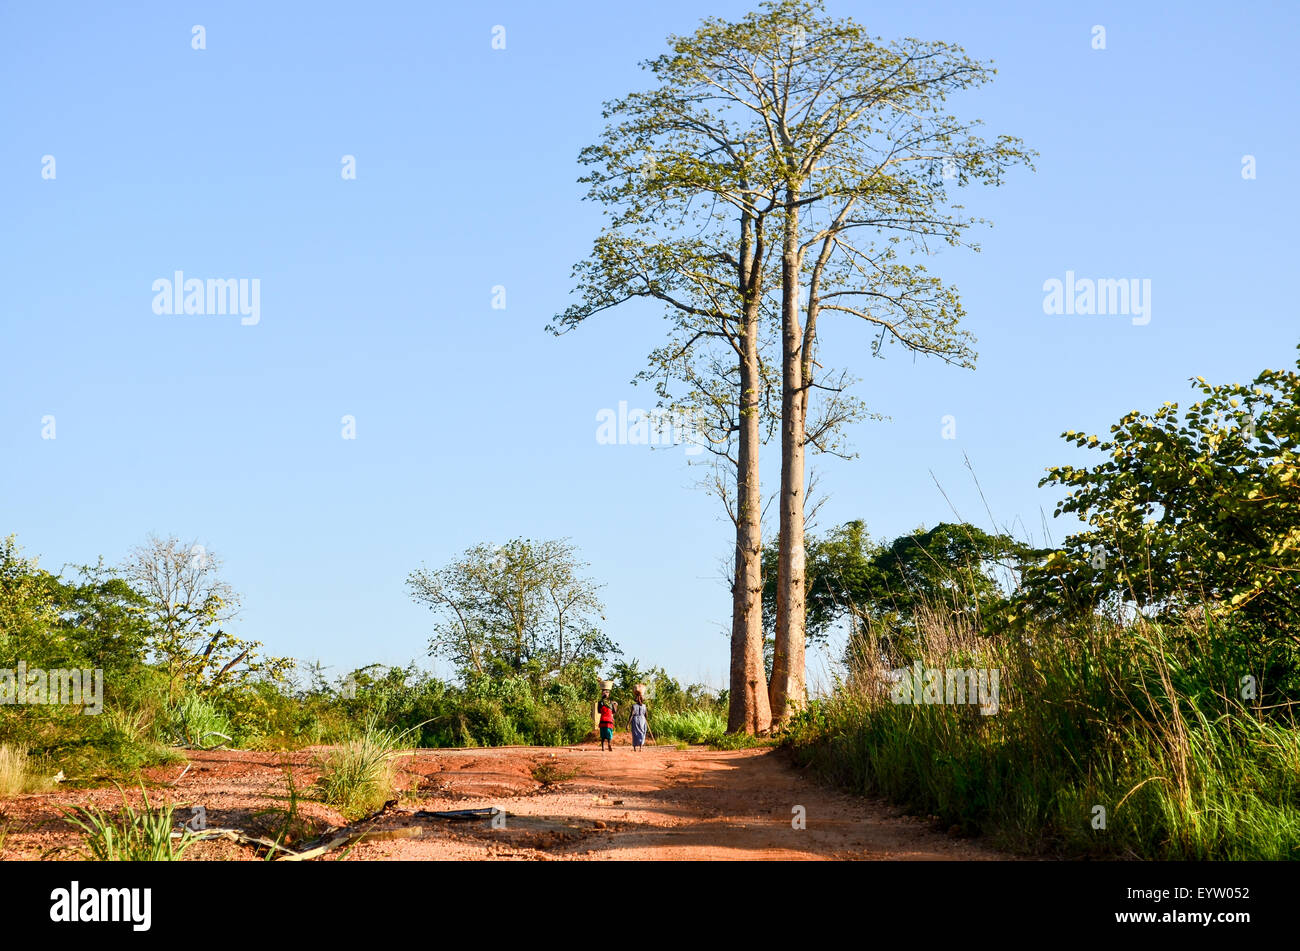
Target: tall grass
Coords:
[[18, 773], [689, 726], [125, 727], [1146, 723]]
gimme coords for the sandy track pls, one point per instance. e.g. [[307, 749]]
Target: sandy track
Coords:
[[662, 803]]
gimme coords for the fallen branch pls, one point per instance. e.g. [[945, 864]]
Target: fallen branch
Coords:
[[458, 815], [351, 836], [235, 835], [335, 839]]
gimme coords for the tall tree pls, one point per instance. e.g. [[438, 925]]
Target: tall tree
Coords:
[[840, 142], [679, 160], [861, 151], [651, 164]]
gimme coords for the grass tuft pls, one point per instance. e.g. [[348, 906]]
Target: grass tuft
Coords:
[[131, 836], [358, 776], [548, 772], [194, 721]]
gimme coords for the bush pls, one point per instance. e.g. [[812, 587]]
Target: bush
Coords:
[[1191, 511]]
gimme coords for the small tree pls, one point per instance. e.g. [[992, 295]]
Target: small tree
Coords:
[[103, 619], [523, 608], [190, 607], [27, 610]]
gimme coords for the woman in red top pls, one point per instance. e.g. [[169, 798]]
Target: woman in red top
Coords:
[[606, 708]]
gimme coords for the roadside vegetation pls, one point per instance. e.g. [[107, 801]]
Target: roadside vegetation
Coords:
[[527, 669], [1149, 667]]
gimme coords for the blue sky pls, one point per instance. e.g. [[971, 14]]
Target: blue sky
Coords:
[[472, 423]]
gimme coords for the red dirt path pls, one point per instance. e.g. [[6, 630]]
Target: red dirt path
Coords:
[[661, 803]]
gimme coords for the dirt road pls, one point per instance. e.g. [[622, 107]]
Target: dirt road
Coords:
[[662, 803]]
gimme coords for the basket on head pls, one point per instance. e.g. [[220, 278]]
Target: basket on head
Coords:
[[607, 685], [639, 691]]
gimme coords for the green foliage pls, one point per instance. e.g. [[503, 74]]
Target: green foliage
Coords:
[[88, 621], [690, 726], [951, 569], [154, 696], [195, 721], [271, 713], [1191, 510], [741, 741], [663, 692], [1150, 669], [131, 836], [27, 607], [102, 622]]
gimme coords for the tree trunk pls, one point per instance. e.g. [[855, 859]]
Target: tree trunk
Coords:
[[748, 709], [788, 692]]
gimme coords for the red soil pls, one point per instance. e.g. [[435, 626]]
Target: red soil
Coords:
[[661, 803]]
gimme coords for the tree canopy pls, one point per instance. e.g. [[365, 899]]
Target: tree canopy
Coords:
[[524, 607], [955, 569]]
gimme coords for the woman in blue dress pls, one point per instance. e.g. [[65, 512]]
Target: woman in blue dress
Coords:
[[639, 722]]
